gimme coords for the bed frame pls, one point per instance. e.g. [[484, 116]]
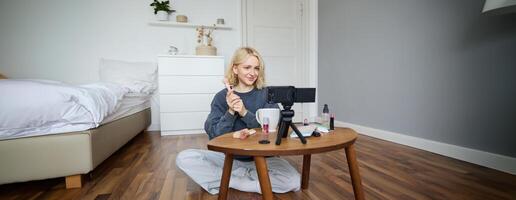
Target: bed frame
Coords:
[[69, 155]]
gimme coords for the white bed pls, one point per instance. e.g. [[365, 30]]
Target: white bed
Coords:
[[40, 139], [39, 107]]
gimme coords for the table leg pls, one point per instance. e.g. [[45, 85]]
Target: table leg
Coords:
[[353, 171], [226, 174], [263, 176], [306, 171]]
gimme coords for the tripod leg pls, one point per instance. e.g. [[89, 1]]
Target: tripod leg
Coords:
[[280, 132], [285, 131], [301, 137]]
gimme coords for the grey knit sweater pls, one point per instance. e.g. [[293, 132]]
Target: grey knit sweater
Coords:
[[220, 121]]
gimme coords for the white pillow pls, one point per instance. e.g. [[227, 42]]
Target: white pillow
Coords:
[[137, 77]]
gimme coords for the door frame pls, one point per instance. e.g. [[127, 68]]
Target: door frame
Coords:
[[310, 35]]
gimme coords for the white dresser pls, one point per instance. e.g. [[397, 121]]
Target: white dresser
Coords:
[[187, 85]]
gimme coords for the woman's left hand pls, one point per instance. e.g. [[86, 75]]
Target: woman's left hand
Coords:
[[239, 107]]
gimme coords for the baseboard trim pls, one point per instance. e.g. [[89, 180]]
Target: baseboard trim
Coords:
[[486, 159], [182, 132], [154, 127], [157, 127]]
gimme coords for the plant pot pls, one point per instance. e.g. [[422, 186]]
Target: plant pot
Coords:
[[182, 19], [162, 16], [206, 50]]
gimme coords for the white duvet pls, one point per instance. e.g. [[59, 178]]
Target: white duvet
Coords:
[[36, 107]]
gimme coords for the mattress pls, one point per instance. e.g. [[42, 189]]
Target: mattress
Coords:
[[39, 107], [56, 108], [130, 104]]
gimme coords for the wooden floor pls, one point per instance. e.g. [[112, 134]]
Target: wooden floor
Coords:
[[145, 169]]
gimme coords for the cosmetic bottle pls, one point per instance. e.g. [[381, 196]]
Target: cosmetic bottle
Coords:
[[265, 125], [332, 121], [265, 132], [326, 116]]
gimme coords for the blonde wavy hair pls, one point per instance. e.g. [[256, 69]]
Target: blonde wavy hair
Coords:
[[239, 57]]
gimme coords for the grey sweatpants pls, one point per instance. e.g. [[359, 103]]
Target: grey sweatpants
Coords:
[[205, 168]]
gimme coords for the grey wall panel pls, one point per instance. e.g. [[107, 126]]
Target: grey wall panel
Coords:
[[438, 70]]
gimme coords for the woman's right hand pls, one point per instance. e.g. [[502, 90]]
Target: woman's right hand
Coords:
[[231, 98]]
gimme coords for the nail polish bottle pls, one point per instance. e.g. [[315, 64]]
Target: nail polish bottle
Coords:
[[266, 125], [265, 132], [326, 116], [332, 119]]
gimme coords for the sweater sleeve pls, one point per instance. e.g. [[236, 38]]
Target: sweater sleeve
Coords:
[[250, 120], [219, 120]]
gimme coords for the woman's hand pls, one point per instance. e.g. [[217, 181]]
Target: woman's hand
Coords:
[[230, 96], [239, 107], [231, 100], [234, 102]]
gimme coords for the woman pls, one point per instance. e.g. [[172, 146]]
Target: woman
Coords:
[[233, 109]]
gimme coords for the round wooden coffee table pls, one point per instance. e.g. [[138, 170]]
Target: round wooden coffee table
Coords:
[[340, 138]]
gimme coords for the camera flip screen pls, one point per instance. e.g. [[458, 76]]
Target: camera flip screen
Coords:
[[305, 95]]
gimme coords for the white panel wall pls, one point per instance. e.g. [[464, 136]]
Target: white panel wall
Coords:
[[64, 40]]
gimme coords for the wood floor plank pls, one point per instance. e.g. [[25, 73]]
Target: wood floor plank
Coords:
[[145, 169], [179, 191], [166, 190]]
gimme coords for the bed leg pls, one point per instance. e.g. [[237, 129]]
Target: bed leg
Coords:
[[74, 181]]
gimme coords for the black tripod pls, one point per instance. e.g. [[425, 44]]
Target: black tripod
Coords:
[[286, 121]]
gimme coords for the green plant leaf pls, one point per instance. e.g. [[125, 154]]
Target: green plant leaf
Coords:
[[161, 6]]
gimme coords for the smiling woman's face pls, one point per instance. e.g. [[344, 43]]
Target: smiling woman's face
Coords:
[[248, 71]]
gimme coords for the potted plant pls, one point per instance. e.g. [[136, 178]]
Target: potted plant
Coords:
[[162, 9], [205, 41]]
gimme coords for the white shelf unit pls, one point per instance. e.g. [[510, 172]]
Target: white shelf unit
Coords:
[[187, 85], [179, 24]]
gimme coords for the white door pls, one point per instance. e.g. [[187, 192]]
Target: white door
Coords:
[[275, 29]]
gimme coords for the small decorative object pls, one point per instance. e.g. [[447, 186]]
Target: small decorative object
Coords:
[[205, 40], [162, 9], [243, 134], [172, 50], [220, 21], [181, 18]]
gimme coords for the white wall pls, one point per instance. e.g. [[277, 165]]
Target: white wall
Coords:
[[64, 40]]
